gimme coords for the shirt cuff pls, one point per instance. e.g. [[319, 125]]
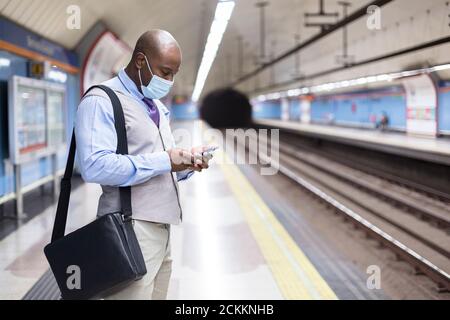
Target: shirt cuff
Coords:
[[184, 175], [161, 162]]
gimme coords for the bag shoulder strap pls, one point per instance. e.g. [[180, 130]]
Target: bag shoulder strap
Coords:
[[59, 226]]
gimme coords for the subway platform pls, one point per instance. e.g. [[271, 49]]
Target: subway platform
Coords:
[[235, 242], [415, 146]]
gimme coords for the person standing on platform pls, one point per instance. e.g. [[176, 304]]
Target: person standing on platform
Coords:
[[154, 164], [384, 122]]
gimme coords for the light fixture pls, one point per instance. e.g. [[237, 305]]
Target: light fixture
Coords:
[[5, 63], [222, 15], [57, 76], [351, 83], [441, 67]]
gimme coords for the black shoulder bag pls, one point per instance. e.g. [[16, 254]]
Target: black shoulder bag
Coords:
[[105, 253]]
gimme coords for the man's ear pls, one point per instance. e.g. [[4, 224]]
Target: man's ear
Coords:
[[139, 61]]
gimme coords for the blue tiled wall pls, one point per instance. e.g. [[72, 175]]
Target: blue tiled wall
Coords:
[[322, 109], [184, 111], [294, 110], [360, 110], [444, 112], [267, 110]]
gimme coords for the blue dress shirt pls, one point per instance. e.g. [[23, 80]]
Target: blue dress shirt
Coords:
[[97, 142]]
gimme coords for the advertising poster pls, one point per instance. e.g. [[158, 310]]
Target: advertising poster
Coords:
[[421, 99]]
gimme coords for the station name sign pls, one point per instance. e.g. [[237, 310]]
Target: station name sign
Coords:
[[20, 37]]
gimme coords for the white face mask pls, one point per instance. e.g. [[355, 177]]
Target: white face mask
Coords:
[[157, 88]]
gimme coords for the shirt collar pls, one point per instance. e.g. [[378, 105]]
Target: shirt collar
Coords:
[[129, 85]]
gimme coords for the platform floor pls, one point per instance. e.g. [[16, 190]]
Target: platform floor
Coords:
[[231, 245], [420, 146]]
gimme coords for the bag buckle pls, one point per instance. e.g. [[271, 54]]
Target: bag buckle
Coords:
[[127, 218]]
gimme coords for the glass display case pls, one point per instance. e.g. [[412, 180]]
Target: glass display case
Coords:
[[37, 122]]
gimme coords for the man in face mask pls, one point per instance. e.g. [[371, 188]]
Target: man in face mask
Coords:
[[153, 166]]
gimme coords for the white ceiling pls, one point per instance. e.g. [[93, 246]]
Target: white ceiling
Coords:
[[189, 22], [127, 18], [285, 17]]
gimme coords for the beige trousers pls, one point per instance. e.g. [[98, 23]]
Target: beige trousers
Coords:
[[154, 240]]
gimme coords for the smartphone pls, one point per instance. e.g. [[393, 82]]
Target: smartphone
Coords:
[[210, 150], [208, 153]]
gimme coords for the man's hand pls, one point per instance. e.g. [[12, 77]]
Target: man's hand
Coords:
[[182, 160], [199, 161]]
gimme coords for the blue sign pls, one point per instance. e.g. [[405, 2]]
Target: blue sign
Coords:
[[21, 37]]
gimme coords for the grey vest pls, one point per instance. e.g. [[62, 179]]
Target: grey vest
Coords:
[[157, 199]]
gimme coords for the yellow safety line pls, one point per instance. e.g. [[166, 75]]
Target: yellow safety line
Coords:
[[296, 277]]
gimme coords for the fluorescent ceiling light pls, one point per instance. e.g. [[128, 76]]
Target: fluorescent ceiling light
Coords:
[[351, 83], [223, 13], [441, 67]]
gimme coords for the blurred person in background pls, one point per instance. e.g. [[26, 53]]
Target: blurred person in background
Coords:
[[384, 122]]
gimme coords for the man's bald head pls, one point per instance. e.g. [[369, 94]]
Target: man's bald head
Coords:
[[162, 52], [157, 43]]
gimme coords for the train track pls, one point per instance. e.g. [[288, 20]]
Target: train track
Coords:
[[432, 193], [422, 206], [417, 234]]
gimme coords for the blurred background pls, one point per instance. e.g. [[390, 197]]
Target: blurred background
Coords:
[[358, 93]]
